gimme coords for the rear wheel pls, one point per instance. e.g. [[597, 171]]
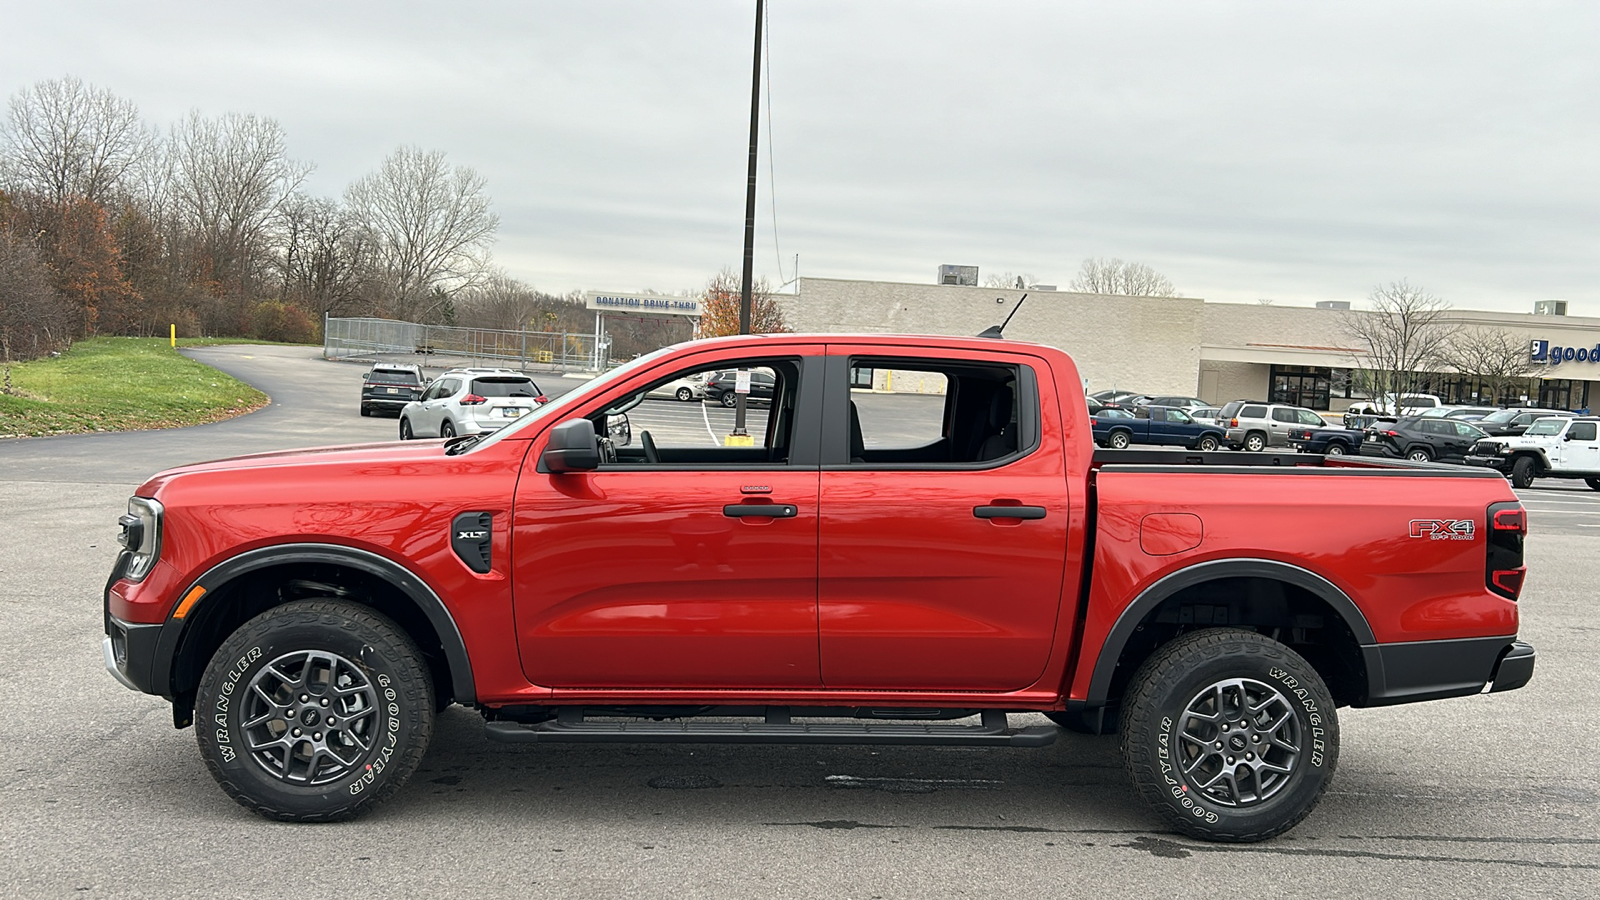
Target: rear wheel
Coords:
[[447, 430], [365, 411], [1119, 440], [1593, 483], [1522, 472], [405, 429], [1419, 454], [1335, 449], [314, 711], [1229, 735], [685, 394], [1255, 442], [1209, 443], [729, 398]]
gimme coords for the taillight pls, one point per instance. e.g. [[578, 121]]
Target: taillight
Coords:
[[1504, 570], [541, 399], [1233, 423], [473, 400], [1392, 433]]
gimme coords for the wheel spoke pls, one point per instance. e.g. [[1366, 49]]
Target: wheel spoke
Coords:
[[334, 688], [1221, 773]]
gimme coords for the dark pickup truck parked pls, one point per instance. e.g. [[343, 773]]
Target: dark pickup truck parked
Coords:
[[1163, 425], [819, 581], [1337, 441]]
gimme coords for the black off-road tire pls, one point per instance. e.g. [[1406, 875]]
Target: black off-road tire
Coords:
[[1255, 442], [1522, 472], [320, 754], [1171, 747], [1119, 440]]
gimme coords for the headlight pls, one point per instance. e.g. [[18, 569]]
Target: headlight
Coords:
[[1502, 449], [141, 535]]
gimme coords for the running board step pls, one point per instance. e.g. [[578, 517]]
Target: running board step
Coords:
[[571, 727]]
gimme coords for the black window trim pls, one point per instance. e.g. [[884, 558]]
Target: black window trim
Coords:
[[835, 430]]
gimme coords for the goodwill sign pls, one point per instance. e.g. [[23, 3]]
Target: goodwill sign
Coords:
[[1555, 355]]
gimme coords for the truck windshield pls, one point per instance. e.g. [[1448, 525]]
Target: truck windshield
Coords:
[[1546, 426]]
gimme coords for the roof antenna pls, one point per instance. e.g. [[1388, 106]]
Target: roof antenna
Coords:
[[995, 331]]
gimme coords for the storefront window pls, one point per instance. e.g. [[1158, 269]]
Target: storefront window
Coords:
[[1301, 386]]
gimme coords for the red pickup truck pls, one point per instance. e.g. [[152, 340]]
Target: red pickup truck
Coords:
[[860, 568]]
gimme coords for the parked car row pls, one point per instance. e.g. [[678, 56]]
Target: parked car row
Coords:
[[1523, 442]]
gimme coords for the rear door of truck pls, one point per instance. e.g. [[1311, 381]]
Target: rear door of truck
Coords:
[[944, 521]]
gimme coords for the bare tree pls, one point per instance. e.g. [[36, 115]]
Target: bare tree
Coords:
[[1009, 281], [502, 302], [1114, 276], [33, 318], [230, 177], [323, 259], [1405, 335], [431, 226], [64, 139], [1495, 357]]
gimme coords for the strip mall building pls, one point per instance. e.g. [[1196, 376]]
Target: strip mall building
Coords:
[[1186, 346]]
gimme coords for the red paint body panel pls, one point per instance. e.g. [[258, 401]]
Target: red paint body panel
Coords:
[[615, 587]]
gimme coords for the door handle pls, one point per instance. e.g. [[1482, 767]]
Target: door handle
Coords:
[[1008, 512], [769, 510]]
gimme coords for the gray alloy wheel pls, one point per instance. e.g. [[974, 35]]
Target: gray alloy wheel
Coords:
[[729, 398], [446, 430], [405, 429], [1229, 735], [1119, 440], [1209, 443], [314, 710], [1419, 455], [1335, 449], [685, 394], [1255, 442]]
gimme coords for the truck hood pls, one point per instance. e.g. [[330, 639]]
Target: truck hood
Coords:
[[384, 453]]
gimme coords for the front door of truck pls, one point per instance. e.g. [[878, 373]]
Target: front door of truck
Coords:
[[943, 524], [685, 560], [1580, 448]]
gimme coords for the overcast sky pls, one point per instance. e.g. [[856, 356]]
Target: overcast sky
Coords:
[[1287, 150]]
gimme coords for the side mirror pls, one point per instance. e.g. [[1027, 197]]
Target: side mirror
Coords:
[[619, 429], [572, 448], [1567, 436]]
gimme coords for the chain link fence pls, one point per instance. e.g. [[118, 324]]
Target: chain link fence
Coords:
[[388, 340]]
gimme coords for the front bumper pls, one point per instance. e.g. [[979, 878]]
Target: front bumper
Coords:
[[130, 650], [1498, 463]]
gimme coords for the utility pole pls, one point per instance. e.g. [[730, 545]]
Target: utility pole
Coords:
[[749, 218]]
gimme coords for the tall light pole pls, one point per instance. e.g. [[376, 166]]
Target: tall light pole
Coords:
[[750, 211]]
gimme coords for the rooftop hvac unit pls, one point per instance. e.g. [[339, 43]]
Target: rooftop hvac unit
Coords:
[[1333, 304], [1550, 307], [960, 275]]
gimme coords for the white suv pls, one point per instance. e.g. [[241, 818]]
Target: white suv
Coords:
[[470, 401], [1552, 447]]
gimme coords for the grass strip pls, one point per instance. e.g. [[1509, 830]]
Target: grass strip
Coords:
[[118, 384]]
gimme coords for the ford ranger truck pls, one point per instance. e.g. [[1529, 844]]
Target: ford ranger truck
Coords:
[[854, 568]]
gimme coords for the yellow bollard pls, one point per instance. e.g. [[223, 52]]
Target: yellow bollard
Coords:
[[174, 336]]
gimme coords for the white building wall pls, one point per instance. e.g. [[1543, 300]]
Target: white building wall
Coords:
[[1141, 343]]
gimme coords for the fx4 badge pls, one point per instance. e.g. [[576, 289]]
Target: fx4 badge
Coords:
[[1444, 529]]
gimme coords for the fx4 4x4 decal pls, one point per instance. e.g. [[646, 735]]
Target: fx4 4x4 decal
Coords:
[[1444, 529]]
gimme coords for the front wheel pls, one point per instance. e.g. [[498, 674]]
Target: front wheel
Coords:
[[447, 430], [1255, 442], [1522, 472], [405, 429], [1209, 443], [314, 711], [1229, 735]]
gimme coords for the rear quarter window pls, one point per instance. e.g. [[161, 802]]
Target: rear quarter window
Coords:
[[1253, 412]]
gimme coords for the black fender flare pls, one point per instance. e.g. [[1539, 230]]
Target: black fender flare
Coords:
[[1151, 597], [417, 590]]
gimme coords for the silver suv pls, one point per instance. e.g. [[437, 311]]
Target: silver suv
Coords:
[[1257, 426], [470, 401]]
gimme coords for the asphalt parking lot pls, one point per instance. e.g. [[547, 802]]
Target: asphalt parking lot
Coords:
[[1486, 796]]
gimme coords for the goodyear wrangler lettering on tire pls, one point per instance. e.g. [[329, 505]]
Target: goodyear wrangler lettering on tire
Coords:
[[1229, 735], [323, 708]]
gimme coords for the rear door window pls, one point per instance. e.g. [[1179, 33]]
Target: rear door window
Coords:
[[1284, 415], [1253, 412]]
